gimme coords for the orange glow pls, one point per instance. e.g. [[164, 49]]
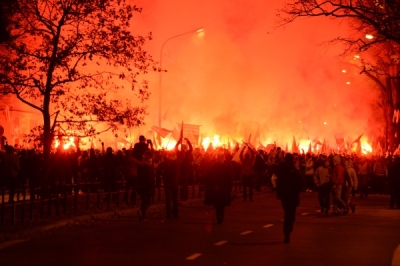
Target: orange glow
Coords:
[[66, 143], [366, 148], [239, 78], [215, 142]]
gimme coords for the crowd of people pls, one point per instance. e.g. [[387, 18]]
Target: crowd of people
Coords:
[[337, 178]]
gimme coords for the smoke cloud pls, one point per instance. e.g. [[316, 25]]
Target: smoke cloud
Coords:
[[242, 73]]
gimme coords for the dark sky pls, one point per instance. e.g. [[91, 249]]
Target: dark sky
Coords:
[[242, 74]]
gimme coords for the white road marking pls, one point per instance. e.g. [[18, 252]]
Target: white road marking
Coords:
[[246, 233], [220, 243], [396, 257], [194, 256], [268, 225], [304, 214], [11, 243]]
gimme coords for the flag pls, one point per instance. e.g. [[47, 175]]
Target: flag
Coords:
[[295, 149], [181, 134], [379, 149], [175, 134], [257, 136], [339, 139], [357, 140], [358, 150], [163, 132], [260, 146], [309, 148], [166, 114], [270, 147], [159, 141], [155, 142], [236, 157], [6, 113], [323, 148], [396, 114]]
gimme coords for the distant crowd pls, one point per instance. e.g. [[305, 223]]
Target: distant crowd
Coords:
[[143, 168]]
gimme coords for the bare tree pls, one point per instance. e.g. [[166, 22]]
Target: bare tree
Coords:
[[54, 58], [380, 20]]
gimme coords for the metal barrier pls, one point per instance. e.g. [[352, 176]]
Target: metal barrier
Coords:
[[73, 200]]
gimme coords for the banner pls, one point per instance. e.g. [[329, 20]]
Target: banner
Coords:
[[192, 133], [163, 132]]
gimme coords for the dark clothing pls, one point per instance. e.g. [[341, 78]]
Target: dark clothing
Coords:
[[9, 168], [34, 166], [248, 182], [139, 150], [394, 181], [110, 164], [288, 183], [185, 159], [146, 185], [324, 196], [218, 185], [288, 187], [259, 171], [169, 170], [247, 172], [60, 173]]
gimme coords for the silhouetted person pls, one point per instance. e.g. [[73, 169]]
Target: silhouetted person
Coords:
[[288, 187], [146, 184], [322, 180], [185, 159], [169, 170], [34, 166], [110, 165], [218, 185], [10, 167], [247, 160]]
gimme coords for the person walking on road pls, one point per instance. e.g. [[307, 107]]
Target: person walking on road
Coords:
[[185, 159], [288, 187], [322, 180], [145, 185], [247, 156], [218, 185], [169, 170], [351, 183], [337, 186]]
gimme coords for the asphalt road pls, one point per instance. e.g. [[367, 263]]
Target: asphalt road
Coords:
[[250, 235]]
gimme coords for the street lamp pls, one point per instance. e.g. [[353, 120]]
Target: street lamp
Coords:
[[161, 53]]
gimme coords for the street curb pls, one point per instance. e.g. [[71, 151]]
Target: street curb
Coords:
[[11, 238]]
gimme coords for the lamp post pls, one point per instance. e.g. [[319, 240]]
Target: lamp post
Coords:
[[160, 82]]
